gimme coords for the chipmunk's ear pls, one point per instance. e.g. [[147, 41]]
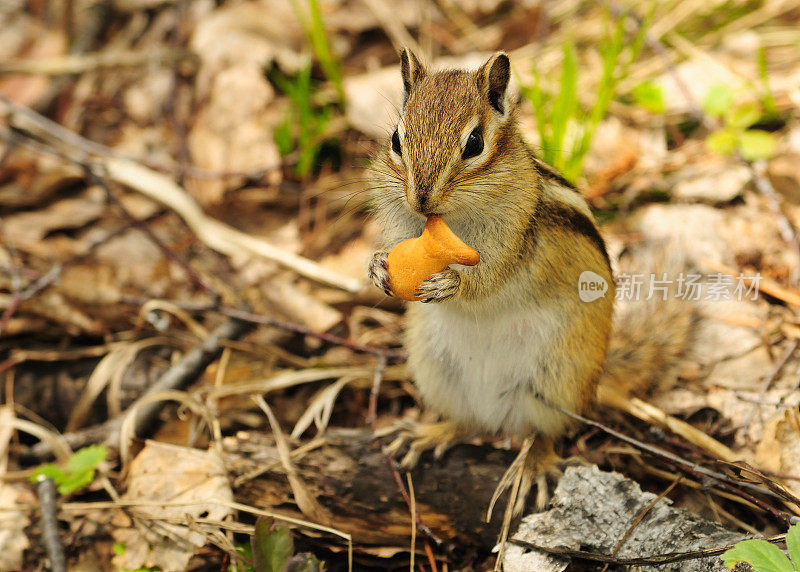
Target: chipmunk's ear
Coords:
[[411, 70], [493, 79]]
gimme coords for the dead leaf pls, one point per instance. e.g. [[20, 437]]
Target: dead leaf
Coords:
[[15, 31], [716, 185], [33, 226], [190, 479], [691, 229], [779, 449], [302, 306], [251, 34], [697, 75], [14, 503], [234, 131]]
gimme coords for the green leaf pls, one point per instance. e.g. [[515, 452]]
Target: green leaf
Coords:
[[87, 459], [80, 469], [74, 481], [723, 141], [272, 548], [49, 470], [650, 96], [118, 548], [718, 100], [742, 116], [793, 545], [755, 144], [763, 556]]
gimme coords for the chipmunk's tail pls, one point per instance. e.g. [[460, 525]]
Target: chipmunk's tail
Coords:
[[652, 337]]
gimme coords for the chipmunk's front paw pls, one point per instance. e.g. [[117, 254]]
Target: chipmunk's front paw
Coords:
[[440, 286], [378, 271]]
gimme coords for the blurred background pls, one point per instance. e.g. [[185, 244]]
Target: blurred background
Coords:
[[168, 166]]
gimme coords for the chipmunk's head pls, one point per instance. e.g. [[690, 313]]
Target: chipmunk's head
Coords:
[[454, 130]]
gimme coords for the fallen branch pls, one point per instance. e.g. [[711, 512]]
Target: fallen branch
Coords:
[[349, 476], [654, 560], [764, 285], [785, 227]]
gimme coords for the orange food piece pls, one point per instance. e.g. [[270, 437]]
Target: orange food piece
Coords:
[[414, 260]]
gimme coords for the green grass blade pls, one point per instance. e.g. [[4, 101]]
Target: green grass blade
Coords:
[[566, 104], [610, 51], [314, 28], [767, 99], [327, 60]]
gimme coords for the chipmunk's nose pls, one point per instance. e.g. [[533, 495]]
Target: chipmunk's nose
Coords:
[[423, 199], [423, 203]]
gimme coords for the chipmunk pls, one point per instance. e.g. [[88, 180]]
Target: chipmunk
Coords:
[[490, 344]]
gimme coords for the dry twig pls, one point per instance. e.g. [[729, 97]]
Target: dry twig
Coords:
[[639, 518], [46, 491]]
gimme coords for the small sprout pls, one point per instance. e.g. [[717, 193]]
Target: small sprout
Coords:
[[80, 469], [272, 546], [793, 544], [737, 133], [303, 127], [761, 555]]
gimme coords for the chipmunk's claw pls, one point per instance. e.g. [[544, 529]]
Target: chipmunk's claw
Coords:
[[439, 287], [532, 466], [422, 437], [378, 271]]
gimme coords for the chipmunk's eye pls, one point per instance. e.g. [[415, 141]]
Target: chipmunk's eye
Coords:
[[474, 144], [396, 143]]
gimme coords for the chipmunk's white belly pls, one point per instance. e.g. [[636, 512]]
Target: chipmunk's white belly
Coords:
[[482, 370]]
